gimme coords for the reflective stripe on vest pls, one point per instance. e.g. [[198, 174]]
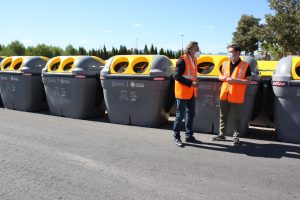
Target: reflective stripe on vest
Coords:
[[189, 74], [242, 70]]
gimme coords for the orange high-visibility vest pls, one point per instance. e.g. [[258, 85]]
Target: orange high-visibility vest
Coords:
[[235, 92], [182, 91]]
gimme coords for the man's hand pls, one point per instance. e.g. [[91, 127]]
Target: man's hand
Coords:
[[195, 83], [229, 79]]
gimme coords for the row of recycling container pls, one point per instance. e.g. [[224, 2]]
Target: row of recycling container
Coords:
[[139, 90]]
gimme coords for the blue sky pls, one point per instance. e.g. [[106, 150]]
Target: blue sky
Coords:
[[134, 23]]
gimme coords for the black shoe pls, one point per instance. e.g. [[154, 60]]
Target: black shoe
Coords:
[[236, 141], [178, 143], [191, 139], [218, 138]]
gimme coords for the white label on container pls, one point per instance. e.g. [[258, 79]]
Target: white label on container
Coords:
[[135, 84], [133, 96], [123, 95], [64, 81], [60, 91], [118, 84], [14, 78], [51, 80]]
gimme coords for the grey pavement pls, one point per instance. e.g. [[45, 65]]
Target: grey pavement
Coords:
[[48, 157]]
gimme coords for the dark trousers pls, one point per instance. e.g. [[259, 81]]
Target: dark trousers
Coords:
[[235, 109], [185, 109]]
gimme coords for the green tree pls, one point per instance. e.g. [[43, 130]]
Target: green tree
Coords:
[[82, 51], [43, 50], [155, 50], [161, 51], [70, 50], [105, 53], [283, 28], [146, 51], [114, 51], [136, 51], [247, 34], [152, 50], [92, 52], [6, 51], [178, 53], [57, 51], [123, 50], [30, 51], [16, 48], [170, 54], [269, 48]]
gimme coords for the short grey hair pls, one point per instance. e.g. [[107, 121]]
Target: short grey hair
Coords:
[[190, 46]]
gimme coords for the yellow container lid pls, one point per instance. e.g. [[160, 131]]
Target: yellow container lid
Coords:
[[174, 61], [131, 64], [296, 67], [266, 67], [66, 64], [6, 63], [15, 63]]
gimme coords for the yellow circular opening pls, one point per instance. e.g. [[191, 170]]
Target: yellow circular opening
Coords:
[[55, 66], [121, 67], [68, 66], [221, 63], [17, 66], [7, 65], [297, 70], [140, 67], [205, 67]]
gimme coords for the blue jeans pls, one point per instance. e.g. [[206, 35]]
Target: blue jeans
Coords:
[[185, 108]]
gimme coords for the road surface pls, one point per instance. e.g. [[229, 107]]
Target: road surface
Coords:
[[49, 157]]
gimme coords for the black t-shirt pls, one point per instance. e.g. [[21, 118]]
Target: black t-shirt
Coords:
[[233, 66]]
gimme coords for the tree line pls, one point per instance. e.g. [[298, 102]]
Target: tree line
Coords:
[[16, 48], [277, 37]]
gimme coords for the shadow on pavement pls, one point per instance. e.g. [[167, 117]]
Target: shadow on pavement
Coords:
[[257, 133], [273, 150]]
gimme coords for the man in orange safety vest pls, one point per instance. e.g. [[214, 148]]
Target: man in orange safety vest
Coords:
[[235, 75], [185, 92]]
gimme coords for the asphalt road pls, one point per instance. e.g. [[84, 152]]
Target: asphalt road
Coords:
[[48, 157]]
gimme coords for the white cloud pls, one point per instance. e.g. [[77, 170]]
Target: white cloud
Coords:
[[107, 31], [209, 26], [137, 25]]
